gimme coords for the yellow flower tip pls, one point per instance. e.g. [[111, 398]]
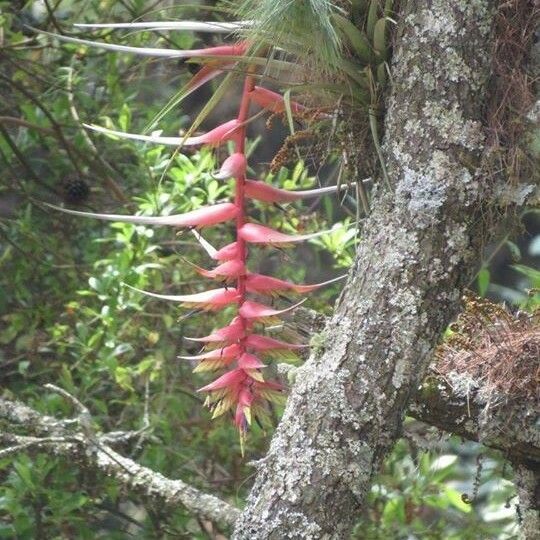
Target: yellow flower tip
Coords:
[[247, 414], [255, 374]]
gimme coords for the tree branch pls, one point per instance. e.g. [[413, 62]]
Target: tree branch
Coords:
[[91, 451], [459, 405]]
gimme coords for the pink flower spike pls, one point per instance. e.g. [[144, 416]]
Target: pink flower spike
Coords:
[[261, 191], [232, 332], [258, 234], [254, 310], [229, 379], [269, 385], [259, 283], [233, 167], [250, 361], [202, 217], [242, 417], [246, 396], [272, 101], [214, 137], [229, 270], [230, 352], [264, 343], [226, 253], [268, 390], [208, 300], [241, 422]]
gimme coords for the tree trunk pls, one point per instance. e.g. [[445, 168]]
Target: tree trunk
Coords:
[[419, 249]]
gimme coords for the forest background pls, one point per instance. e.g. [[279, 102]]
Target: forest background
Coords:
[[67, 318]]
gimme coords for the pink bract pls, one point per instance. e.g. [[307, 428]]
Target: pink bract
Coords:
[[242, 389]]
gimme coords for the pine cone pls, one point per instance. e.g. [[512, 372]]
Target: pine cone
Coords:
[[75, 190]]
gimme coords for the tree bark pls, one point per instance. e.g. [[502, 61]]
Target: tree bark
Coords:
[[420, 246], [527, 481]]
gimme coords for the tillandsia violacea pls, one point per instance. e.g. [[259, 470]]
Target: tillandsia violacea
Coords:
[[239, 347]]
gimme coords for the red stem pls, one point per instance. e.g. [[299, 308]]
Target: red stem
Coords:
[[240, 143]]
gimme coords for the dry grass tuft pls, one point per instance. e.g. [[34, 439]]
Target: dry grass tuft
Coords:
[[512, 90], [499, 350]]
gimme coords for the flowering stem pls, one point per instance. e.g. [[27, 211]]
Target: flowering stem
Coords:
[[242, 388], [240, 201]]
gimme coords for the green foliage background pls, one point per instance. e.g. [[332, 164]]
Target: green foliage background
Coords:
[[67, 317]]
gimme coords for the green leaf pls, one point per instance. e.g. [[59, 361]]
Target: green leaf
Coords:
[[206, 110], [124, 118], [515, 252], [531, 273], [357, 40], [25, 474], [373, 15], [456, 500], [394, 511], [8, 335], [123, 378], [358, 10], [442, 467], [436, 501], [23, 366], [379, 39], [443, 462], [483, 279]]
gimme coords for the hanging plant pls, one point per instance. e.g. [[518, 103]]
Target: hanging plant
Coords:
[[238, 348]]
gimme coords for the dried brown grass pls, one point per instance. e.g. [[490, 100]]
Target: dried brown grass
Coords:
[[499, 350], [512, 89]]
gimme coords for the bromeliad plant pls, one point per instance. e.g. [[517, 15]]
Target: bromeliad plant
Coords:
[[238, 348]]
